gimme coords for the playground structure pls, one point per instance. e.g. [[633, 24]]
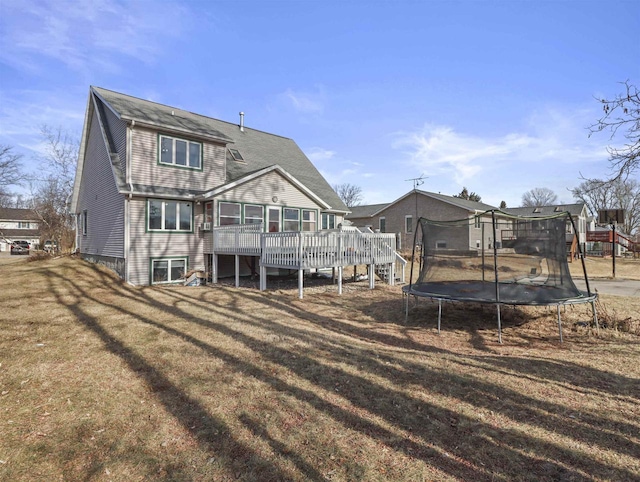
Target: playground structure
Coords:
[[604, 240], [528, 266]]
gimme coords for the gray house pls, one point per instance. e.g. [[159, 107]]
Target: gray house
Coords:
[[400, 217], [153, 181]]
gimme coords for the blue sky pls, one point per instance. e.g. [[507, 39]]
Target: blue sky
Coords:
[[492, 95]]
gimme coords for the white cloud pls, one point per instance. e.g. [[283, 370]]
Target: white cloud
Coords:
[[318, 154], [551, 138], [305, 102], [86, 35]]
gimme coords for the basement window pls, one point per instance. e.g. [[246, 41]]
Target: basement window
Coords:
[[236, 155]]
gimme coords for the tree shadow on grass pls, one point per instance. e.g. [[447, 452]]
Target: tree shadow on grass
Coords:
[[480, 449]]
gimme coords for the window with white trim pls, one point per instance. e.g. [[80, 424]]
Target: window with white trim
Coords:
[[291, 219], [408, 224], [309, 220], [476, 222], [328, 221], [168, 270], [253, 214], [382, 224], [229, 213], [180, 152], [169, 215], [23, 225]]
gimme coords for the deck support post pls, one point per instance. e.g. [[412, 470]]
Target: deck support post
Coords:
[[214, 268], [300, 283], [339, 280], [372, 276], [237, 271], [263, 278]]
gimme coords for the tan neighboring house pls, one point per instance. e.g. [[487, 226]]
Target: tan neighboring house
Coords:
[[582, 220], [401, 215], [18, 225], [153, 181]]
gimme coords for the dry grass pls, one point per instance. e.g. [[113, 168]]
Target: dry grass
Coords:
[[626, 268], [102, 381]]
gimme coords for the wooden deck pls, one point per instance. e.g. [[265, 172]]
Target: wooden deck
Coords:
[[306, 250]]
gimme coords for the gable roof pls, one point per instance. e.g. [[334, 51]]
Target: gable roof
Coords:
[[16, 214], [260, 150], [365, 211], [540, 211], [375, 209]]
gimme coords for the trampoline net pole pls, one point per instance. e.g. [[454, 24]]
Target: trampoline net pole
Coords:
[[495, 272]]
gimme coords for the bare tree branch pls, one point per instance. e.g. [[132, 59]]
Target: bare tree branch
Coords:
[[10, 167], [622, 112], [350, 194], [539, 196]]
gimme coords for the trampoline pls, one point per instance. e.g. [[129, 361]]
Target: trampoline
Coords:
[[498, 258]]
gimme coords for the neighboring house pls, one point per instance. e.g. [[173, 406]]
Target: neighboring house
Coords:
[[580, 215], [18, 225], [152, 181], [401, 215]]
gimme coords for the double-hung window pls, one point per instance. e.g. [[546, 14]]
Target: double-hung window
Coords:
[[328, 221], [229, 213], [309, 220], [169, 215], [168, 270], [382, 224], [291, 219], [23, 225], [408, 224], [253, 214], [180, 152]]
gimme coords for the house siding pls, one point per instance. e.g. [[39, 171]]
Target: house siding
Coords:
[[263, 189], [146, 171], [146, 245], [99, 196], [118, 131]]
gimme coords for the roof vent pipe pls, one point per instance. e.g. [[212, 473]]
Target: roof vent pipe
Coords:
[[241, 121]]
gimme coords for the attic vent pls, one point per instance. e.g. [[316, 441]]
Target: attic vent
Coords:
[[236, 155]]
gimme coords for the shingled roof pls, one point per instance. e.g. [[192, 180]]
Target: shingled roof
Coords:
[[542, 211], [259, 149], [15, 214]]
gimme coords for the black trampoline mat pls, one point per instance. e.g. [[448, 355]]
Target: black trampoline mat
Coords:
[[509, 293]]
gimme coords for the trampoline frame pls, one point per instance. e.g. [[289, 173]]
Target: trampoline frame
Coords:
[[586, 297]]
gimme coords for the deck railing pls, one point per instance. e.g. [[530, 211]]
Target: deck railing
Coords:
[[242, 239], [325, 249]]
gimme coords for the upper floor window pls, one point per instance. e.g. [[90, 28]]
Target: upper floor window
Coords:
[[23, 225], [382, 224], [180, 152], [169, 215], [85, 223]]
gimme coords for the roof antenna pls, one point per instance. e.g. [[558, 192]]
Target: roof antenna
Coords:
[[241, 121], [418, 181]]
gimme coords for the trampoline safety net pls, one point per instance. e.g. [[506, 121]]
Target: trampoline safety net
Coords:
[[495, 257]]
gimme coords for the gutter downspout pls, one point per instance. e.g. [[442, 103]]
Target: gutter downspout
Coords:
[[127, 205]]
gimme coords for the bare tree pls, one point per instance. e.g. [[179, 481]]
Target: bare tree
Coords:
[[618, 194], [53, 191], [622, 112], [11, 172], [503, 204], [539, 196], [464, 194], [350, 194]]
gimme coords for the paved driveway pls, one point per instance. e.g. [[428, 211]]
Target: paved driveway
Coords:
[[619, 287], [7, 258]]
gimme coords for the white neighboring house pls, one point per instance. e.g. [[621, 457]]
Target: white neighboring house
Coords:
[[18, 225]]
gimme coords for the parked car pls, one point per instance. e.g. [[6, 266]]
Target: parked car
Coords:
[[50, 246], [20, 247]]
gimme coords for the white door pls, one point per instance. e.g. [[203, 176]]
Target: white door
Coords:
[[273, 219]]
